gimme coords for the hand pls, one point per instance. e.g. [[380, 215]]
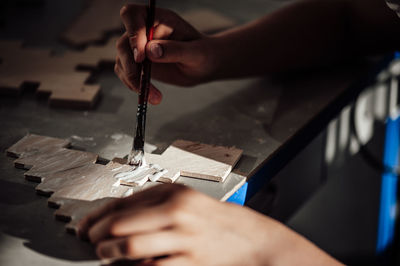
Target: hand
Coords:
[[180, 54], [186, 227]]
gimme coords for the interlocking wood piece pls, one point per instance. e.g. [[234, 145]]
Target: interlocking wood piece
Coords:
[[72, 211], [77, 185], [183, 161], [31, 144], [99, 182], [55, 75], [95, 21], [101, 17]]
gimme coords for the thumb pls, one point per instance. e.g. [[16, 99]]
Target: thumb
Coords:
[[166, 51]]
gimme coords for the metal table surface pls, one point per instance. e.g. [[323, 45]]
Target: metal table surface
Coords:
[[258, 115]]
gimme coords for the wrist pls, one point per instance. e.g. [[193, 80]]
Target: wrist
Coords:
[[213, 58]]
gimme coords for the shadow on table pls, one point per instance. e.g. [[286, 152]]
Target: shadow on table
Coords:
[[25, 215]]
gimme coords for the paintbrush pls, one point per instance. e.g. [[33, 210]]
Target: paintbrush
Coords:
[[136, 156]]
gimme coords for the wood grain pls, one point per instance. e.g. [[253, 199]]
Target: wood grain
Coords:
[[76, 184]]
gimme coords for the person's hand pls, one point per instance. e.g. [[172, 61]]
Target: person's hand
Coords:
[[180, 54], [173, 225]]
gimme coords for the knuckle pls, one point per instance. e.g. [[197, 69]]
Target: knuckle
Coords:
[[116, 69], [132, 77], [130, 246], [125, 10], [114, 224]]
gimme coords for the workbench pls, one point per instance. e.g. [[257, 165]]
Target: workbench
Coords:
[[271, 119]]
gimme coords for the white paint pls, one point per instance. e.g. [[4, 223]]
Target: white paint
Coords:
[[117, 136], [116, 169], [137, 174], [132, 175], [159, 172], [79, 138]]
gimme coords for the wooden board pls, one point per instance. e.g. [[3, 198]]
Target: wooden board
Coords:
[[101, 18], [98, 19], [56, 76], [76, 184], [186, 158]]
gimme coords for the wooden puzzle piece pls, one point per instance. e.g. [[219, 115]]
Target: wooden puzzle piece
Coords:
[[94, 185], [56, 76], [95, 21], [32, 143], [72, 211], [87, 28], [77, 185], [186, 158]]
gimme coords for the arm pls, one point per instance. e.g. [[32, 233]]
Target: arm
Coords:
[[193, 229], [308, 33]]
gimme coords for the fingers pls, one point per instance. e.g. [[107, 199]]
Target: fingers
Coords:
[[149, 197], [143, 246], [129, 72], [125, 55], [162, 32], [165, 51], [129, 222], [179, 260], [134, 19]]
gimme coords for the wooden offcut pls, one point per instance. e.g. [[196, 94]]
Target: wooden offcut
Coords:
[[53, 75]]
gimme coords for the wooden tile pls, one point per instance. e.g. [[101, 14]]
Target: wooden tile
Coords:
[[94, 22]]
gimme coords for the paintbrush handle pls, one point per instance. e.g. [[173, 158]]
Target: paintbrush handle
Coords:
[[138, 143]]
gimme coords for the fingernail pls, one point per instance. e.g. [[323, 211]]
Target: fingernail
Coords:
[[135, 55], [156, 50]]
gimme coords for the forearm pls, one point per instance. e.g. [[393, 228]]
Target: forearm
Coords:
[[305, 34]]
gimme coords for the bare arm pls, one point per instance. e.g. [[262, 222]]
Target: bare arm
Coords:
[[306, 34]]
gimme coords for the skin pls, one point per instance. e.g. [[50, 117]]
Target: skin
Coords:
[[190, 228], [174, 225], [305, 34]]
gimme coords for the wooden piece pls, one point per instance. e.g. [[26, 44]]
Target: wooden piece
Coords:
[[77, 185], [56, 76], [72, 211], [32, 143], [185, 158], [99, 18]]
